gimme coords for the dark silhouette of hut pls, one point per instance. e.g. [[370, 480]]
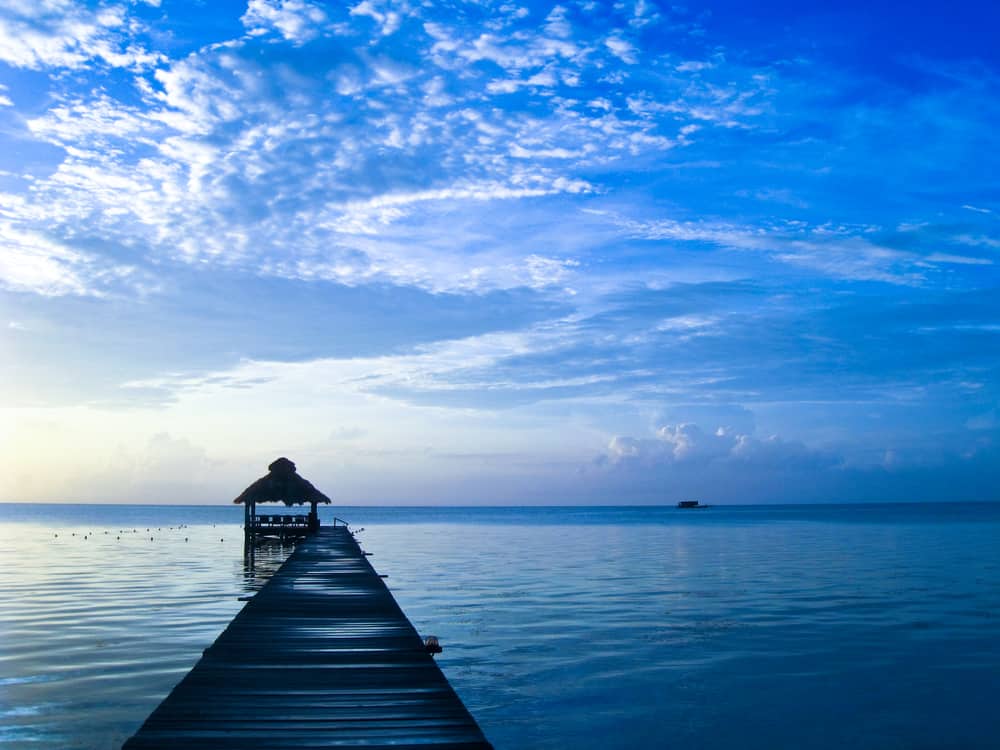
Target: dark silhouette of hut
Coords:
[[281, 485]]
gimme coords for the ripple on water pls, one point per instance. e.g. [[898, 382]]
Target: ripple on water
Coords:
[[715, 631], [98, 629]]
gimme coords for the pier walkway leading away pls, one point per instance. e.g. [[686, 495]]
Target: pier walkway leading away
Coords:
[[321, 657]]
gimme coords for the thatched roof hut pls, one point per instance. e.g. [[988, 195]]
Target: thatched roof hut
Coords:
[[282, 485]]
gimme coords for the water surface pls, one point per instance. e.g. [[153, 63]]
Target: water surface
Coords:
[[750, 627]]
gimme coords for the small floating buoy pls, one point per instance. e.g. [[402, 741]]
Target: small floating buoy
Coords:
[[118, 538], [185, 539], [150, 538]]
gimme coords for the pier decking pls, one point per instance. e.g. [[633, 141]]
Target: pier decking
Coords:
[[321, 657]]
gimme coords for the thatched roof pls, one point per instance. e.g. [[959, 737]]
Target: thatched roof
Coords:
[[282, 485]]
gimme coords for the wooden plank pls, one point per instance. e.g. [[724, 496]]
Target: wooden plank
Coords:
[[321, 657]]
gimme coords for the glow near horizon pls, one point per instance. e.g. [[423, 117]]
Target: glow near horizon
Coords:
[[494, 252]]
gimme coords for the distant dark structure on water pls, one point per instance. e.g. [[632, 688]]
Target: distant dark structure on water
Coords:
[[690, 505]]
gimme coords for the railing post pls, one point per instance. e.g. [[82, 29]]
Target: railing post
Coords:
[[313, 518], [249, 530], [246, 529]]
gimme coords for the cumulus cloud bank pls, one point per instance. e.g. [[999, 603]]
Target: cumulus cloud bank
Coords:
[[688, 445]]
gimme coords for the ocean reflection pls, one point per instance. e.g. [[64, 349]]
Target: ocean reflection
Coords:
[[822, 628]]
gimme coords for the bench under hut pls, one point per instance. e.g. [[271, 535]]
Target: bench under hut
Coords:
[[281, 485]]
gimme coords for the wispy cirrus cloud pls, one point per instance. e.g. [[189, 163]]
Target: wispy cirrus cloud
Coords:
[[32, 262], [64, 34], [862, 253]]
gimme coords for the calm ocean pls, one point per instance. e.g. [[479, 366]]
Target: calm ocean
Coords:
[[729, 627]]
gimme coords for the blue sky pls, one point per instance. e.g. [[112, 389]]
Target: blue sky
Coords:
[[494, 252]]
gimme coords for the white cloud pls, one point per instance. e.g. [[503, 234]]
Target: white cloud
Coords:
[[488, 191], [388, 20], [429, 368], [203, 92], [773, 195], [173, 180], [235, 160], [544, 272], [841, 252], [688, 445], [962, 260], [61, 33], [84, 123], [854, 258], [371, 248], [297, 21], [545, 153], [461, 192], [557, 24], [978, 241], [542, 79], [31, 262], [514, 53], [729, 105], [644, 13], [693, 66], [228, 145], [623, 49], [687, 325]]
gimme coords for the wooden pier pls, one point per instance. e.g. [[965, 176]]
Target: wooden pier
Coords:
[[321, 657]]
